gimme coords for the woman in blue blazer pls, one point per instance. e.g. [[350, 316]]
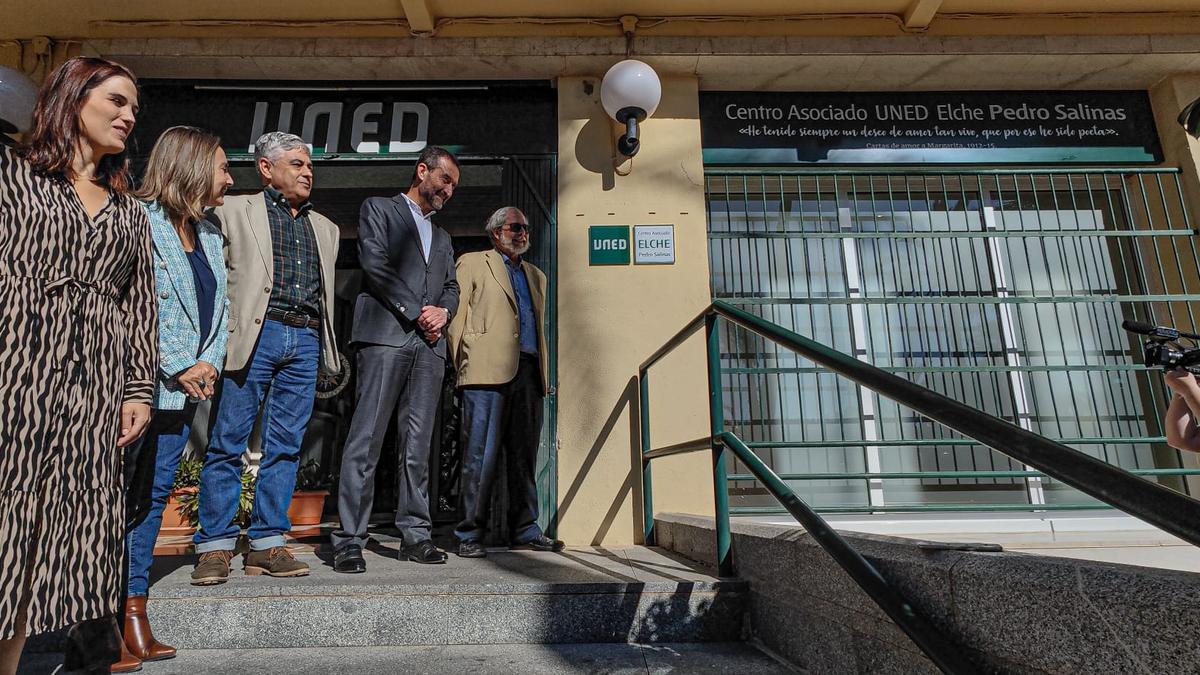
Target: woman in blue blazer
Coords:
[[187, 173]]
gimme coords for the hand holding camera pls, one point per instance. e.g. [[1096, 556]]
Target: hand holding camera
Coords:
[[1162, 348], [1180, 365], [1183, 382]]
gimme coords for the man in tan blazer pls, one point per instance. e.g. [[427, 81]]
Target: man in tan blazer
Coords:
[[280, 257], [498, 346]]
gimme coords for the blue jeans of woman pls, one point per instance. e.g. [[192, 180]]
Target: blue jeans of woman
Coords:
[[153, 475]]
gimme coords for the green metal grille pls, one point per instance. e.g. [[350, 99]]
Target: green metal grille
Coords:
[[530, 184], [1002, 289]]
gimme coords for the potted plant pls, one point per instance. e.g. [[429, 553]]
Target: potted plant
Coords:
[[308, 501], [178, 517], [307, 507], [189, 503]]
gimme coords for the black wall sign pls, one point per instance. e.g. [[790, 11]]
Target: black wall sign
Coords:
[[978, 127], [370, 119]]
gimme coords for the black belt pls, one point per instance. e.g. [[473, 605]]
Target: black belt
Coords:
[[293, 319]]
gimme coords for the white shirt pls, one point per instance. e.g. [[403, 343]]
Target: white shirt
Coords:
[[424, 226]]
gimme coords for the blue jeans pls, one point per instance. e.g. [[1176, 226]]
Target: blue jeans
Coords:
[[285, 365], [505, 418], [157, 460]]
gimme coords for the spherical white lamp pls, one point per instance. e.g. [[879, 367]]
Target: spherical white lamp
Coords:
[[1189, 118], [630, 92], [17, 96]]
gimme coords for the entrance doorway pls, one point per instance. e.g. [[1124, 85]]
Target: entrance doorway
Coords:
[[364, 137], [487, 183]]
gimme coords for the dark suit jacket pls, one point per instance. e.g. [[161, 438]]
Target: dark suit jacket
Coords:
[[396, 280]]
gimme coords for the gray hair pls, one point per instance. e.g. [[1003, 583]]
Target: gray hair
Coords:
[[499, 217], [274, 143]]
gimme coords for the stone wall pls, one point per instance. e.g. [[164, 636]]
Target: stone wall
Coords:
[[1010, 612]]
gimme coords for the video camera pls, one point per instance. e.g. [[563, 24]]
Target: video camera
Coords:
[[1162, 346]]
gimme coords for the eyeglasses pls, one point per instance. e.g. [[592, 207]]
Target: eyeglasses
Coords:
[[516, 228]]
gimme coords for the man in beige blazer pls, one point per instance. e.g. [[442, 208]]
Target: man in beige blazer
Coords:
[[498, 346], [280, 257]]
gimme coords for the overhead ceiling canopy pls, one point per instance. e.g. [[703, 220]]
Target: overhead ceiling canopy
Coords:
[[465, 18], [764, 45]]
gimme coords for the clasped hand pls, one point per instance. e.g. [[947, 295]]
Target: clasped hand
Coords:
[[432, 320], [199, 381]]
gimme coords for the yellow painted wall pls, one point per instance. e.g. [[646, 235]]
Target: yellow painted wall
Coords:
[[37, 57], [1179, 149], [10, 54], [1168, 98], [612, 318]]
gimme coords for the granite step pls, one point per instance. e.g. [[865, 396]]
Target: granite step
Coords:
[[610, 659], [581, 595]]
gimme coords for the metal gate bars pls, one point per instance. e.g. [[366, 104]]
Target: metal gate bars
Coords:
[[1001, 289]]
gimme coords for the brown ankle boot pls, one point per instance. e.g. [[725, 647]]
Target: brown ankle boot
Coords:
[[128, 663], [138, 636]]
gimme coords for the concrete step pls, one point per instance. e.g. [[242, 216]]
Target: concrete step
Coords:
[[587, 595], [1100, 536], [611, 659]]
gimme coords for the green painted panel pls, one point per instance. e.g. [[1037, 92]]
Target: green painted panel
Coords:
[[608, 245]]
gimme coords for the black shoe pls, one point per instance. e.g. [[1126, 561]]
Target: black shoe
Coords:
[[424, 552], [540, 543], [471, 549], [349, 560]]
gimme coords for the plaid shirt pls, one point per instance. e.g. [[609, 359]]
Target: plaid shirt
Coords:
[[297, 264]]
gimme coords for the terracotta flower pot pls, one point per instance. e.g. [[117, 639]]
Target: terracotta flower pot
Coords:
[[307, 507], [172, 522]]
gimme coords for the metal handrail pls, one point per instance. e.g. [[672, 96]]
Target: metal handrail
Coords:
[[927, 171], [940, 649], [1171, 511], [892, 475]]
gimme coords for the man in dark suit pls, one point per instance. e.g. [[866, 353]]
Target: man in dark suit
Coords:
[[409, 295]]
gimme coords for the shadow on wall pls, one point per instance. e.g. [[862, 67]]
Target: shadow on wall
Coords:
[[595, 150], [596, 143], [595, 147], [673, 618], [626, 401]]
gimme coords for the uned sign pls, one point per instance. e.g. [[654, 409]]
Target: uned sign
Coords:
[[608, 245]]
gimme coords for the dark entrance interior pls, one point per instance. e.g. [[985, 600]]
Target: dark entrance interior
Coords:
[[365, 136], [487, 183]]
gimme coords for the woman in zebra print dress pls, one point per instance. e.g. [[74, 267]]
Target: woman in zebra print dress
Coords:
[[78, 351]]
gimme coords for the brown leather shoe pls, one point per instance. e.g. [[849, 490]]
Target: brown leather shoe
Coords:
[[276, 562], [138, 636], [213, 568], [128, 663]]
